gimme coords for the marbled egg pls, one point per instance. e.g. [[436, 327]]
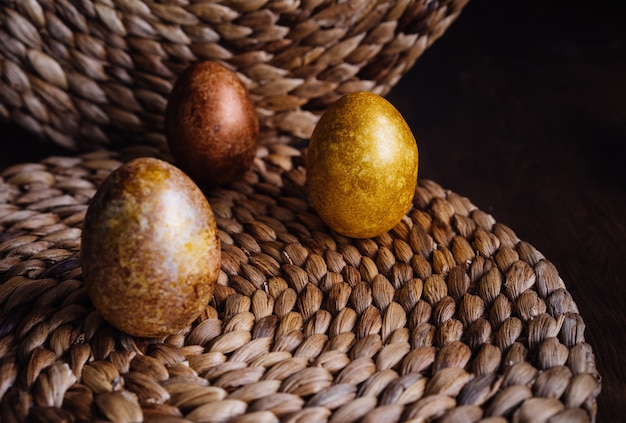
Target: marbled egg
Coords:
[[150, 251]]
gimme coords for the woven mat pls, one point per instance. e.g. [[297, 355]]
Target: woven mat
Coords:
[[449, 317]]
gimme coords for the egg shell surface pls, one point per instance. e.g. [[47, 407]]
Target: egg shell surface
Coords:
[[150, 251], [211, 124], [362, 165]]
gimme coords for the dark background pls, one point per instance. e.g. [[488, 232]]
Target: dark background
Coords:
[[521, 107]]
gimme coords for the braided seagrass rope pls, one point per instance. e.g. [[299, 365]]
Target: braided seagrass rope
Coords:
[[97, 73], [449, 317]]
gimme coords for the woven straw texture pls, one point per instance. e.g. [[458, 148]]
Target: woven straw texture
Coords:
[[89, 73], [448, 317]]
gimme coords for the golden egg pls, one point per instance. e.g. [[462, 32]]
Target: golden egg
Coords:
[[150, 251], [362, 165]]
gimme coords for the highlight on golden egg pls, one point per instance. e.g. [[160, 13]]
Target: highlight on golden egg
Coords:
[[362, 163], [150, 251]]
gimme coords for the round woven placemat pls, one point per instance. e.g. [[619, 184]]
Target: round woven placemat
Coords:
[[448, 317]]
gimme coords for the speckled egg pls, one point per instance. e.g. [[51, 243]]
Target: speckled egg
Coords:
[[150, 251], [211, 125]]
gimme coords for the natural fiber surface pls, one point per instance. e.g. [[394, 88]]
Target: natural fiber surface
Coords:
[[449, 317], [93, 73]]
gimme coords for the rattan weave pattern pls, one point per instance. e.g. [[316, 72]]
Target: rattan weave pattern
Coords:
[[449, 317], [89, 73]]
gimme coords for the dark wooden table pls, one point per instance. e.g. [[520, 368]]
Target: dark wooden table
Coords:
[[521, 107]]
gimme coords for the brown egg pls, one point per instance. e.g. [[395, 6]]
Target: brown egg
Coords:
[[150, 251], [211, 124], [362, 166]]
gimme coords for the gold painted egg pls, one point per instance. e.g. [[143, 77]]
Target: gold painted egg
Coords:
[[362, 163]]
